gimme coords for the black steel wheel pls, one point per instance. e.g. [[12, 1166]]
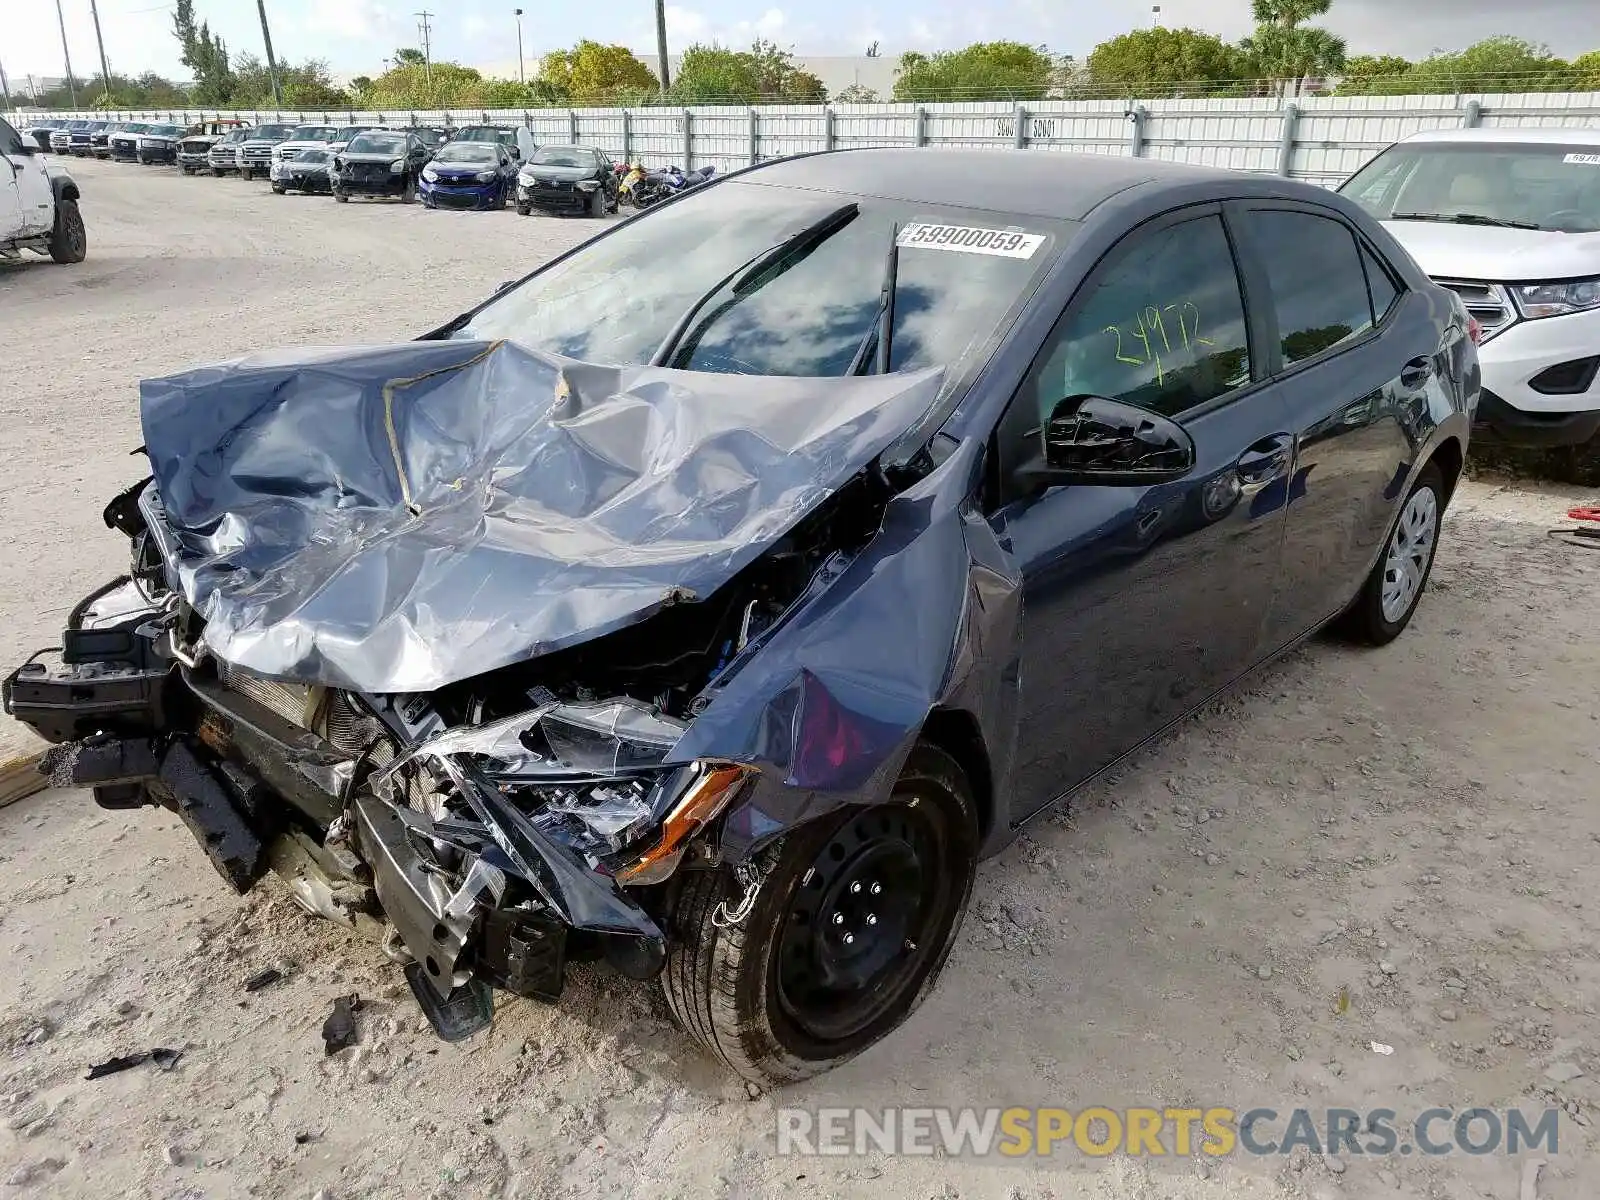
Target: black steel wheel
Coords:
[[854, 917]]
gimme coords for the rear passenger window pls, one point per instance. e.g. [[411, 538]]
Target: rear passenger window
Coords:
[[1319, 288], [1380, 284], [1163, 328]]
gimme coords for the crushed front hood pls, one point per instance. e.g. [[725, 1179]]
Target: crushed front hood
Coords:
[[397, 518]]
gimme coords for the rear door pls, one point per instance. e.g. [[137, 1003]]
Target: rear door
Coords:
[[1353, 356], [1139, 602]]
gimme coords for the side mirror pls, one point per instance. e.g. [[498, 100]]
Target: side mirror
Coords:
[[1106, 443]]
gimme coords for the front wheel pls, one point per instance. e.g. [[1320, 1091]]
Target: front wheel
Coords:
[[69, 241], [246, 174], [278, 189], [341, 197], [523, 209], [853, 920], [216, 172], [1389, 597], [408, 190]]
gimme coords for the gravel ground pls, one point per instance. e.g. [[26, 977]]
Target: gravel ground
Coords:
[[1395, 847]]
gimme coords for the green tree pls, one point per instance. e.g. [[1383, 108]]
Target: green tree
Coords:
[[1497, 64], [204, 53], [1586, 72], [1165, 61], [410, 56], [982, 71], [762, 74], [1283, 48], [595, 74], [1374, 75], [856, 93]]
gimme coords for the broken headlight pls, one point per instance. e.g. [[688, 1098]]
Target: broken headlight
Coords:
[[590, 776]]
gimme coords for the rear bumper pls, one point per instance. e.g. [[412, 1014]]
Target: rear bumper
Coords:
[[142, 729]]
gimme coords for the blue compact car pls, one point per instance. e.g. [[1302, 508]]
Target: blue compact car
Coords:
[[712, 599], [469, 175]]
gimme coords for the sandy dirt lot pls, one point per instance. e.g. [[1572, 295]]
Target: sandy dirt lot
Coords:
[[1396, 847]]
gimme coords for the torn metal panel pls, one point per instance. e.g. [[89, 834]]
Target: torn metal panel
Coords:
[[397, 518], [834, 700]]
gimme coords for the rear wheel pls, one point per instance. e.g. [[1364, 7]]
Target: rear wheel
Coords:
[[69, 241], [1389, 598], [853, 920]]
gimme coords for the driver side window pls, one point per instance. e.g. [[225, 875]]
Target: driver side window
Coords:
[[1162, 327]]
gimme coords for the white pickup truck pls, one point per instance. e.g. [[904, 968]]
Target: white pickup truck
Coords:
[[38, 205]]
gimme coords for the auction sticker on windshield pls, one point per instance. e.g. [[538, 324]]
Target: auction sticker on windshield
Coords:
[[1587, 160], [970, 239]]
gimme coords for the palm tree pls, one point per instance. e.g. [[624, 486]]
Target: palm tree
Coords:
[[1282, 48]]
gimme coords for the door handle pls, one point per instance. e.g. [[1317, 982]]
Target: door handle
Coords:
[[1416, 373], [1263, 462]]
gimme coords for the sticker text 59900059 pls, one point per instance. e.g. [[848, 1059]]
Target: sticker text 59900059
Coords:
[[970, 239]]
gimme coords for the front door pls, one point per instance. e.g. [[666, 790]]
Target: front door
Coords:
[[1139, 602], [12, 155]]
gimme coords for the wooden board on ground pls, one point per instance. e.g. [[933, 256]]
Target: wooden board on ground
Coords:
[[20, 777]]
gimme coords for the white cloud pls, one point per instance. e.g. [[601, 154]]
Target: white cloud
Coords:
[[353, 20]]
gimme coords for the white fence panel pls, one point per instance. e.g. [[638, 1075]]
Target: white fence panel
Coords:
[[1320, 138]]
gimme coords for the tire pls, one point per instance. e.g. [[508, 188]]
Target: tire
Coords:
[[524, 209], [1408, 555], [728, 988], [69, 241], [505, 199], [216, 172], [278, 189], [408, 190], [597, 203], [340, 196], [246, 174]]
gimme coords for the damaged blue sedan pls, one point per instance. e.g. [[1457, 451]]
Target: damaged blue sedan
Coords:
[[711, 601]]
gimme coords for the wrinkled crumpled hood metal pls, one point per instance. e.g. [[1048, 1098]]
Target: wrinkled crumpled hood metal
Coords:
[[397, 518]]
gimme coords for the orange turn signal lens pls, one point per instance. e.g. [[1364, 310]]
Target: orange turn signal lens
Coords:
[[706, 798]]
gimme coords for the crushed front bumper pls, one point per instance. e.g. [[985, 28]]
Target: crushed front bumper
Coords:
[[134, 718]]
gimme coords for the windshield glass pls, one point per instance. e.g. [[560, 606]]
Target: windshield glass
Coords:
[[312, 156], [314, 133], [165, 130], [377, 143], [617, 299], [562, 156], [469, 152], [1539, 186], [483, 133], [273, 132]]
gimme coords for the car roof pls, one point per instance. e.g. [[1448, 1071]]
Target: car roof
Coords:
[[1037, 182], [1504, 133]]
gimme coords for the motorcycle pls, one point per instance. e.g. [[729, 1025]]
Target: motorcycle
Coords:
[[646, 188]]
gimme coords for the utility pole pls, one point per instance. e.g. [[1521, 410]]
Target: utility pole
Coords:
[[272, 63], [426, 32], [105, 71], [5, 90], [522, 74], [72, 87], [661, 44]]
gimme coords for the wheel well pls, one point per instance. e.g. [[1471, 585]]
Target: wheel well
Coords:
[[68, 190], [957, 734], [1448, 458]]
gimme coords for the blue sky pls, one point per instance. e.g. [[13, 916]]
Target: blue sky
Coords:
[[354, 35]]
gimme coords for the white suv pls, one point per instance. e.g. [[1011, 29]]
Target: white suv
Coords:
[[1510, 220], [38, 206]]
